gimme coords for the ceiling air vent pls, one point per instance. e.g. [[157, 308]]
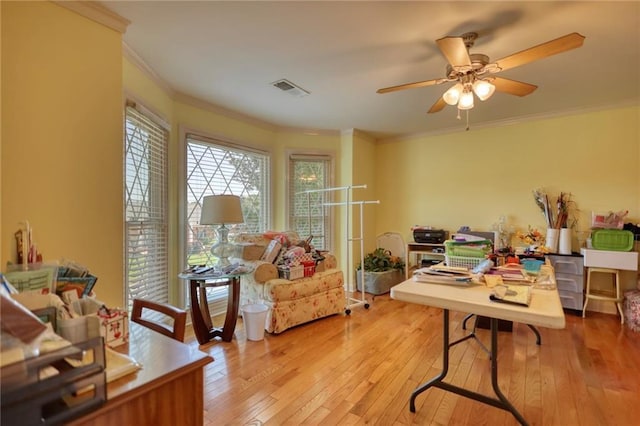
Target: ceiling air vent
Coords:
[[290, 88]]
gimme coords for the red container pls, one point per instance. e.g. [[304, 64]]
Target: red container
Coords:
[[309, 268]]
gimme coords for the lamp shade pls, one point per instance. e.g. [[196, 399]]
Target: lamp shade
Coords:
[[221, 209]]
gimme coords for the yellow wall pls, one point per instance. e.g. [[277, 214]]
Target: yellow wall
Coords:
[[62, 139], [472, 178]]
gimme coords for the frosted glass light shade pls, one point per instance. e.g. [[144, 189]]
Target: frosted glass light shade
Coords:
[[452, 95], [483, 89], [466, 101]]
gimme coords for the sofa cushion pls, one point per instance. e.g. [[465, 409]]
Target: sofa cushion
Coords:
[[264, 271], [249, 251], [281, 289], [290, 313], [263, 239]]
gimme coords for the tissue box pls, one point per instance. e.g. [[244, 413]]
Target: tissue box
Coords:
[[113, 325]]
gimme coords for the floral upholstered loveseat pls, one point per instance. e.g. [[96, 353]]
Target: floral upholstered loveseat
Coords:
[[290, 302]]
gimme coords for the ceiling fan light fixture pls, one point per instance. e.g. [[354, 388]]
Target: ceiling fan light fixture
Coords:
[[452, 96], [466, 100], [483, 89]]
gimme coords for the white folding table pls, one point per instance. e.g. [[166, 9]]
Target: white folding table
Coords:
[[545, 310]]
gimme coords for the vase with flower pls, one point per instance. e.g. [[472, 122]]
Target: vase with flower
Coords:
[[533, 240]]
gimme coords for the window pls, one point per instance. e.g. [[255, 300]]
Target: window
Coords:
[[307, 213], [146, 227], [215, 167]]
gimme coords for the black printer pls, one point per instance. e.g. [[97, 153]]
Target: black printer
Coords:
[[430, 236]]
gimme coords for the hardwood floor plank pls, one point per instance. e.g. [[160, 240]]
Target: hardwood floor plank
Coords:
[[362, 368]]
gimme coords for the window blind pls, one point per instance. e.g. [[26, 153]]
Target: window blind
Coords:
[[146, 225], [307, 213]]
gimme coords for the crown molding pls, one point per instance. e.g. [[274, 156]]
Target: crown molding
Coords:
[[511, 121], [217, 109], [96, 12], [139, 63]]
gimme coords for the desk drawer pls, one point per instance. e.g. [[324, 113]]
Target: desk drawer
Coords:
[[567, 264], [570, 300], [570, 282]]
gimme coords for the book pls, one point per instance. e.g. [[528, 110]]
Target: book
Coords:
[[513, 294], [442, 276]]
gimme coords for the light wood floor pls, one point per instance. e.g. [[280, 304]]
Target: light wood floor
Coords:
[[362, 368]]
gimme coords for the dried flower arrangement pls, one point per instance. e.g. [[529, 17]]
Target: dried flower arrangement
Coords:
[[566, 210]]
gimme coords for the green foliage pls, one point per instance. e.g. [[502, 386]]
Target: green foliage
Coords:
[[381, 260]]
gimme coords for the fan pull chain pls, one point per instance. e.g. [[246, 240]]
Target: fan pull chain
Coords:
[[459, 118]]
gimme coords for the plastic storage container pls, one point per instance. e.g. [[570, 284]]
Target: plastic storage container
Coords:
[[31, 397], [612, 239], [480, 248]]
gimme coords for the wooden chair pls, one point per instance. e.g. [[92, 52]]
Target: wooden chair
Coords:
[[179, 316]]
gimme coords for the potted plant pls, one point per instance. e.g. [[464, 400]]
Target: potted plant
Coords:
[[382, 270]]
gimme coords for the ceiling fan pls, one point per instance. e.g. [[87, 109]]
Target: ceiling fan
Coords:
[[472, 72]]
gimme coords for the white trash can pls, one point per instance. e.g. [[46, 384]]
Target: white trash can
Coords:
[[254, 317]]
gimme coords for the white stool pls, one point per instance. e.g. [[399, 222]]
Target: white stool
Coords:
[[604, 295]]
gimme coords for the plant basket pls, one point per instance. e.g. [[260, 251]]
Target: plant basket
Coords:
[[379, 282]]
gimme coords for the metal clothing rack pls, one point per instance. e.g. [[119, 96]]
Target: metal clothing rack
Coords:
[[351, 287]]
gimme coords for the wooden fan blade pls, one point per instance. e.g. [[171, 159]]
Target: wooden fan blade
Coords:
[[455, 51], [559, 45], [512, 87], [412, 85], [440, 103]]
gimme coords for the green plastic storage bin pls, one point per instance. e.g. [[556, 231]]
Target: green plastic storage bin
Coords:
[[612, 239]]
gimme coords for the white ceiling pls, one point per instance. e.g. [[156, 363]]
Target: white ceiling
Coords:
[[227, 54]]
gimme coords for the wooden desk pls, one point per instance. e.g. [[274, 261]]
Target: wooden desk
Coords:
[[545, 310], [167, 390]]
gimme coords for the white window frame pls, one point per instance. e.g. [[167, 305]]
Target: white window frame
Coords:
[[329, 223], [154, 285], [217, 296]]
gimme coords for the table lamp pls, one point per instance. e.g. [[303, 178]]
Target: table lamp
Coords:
[[221, 210]]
